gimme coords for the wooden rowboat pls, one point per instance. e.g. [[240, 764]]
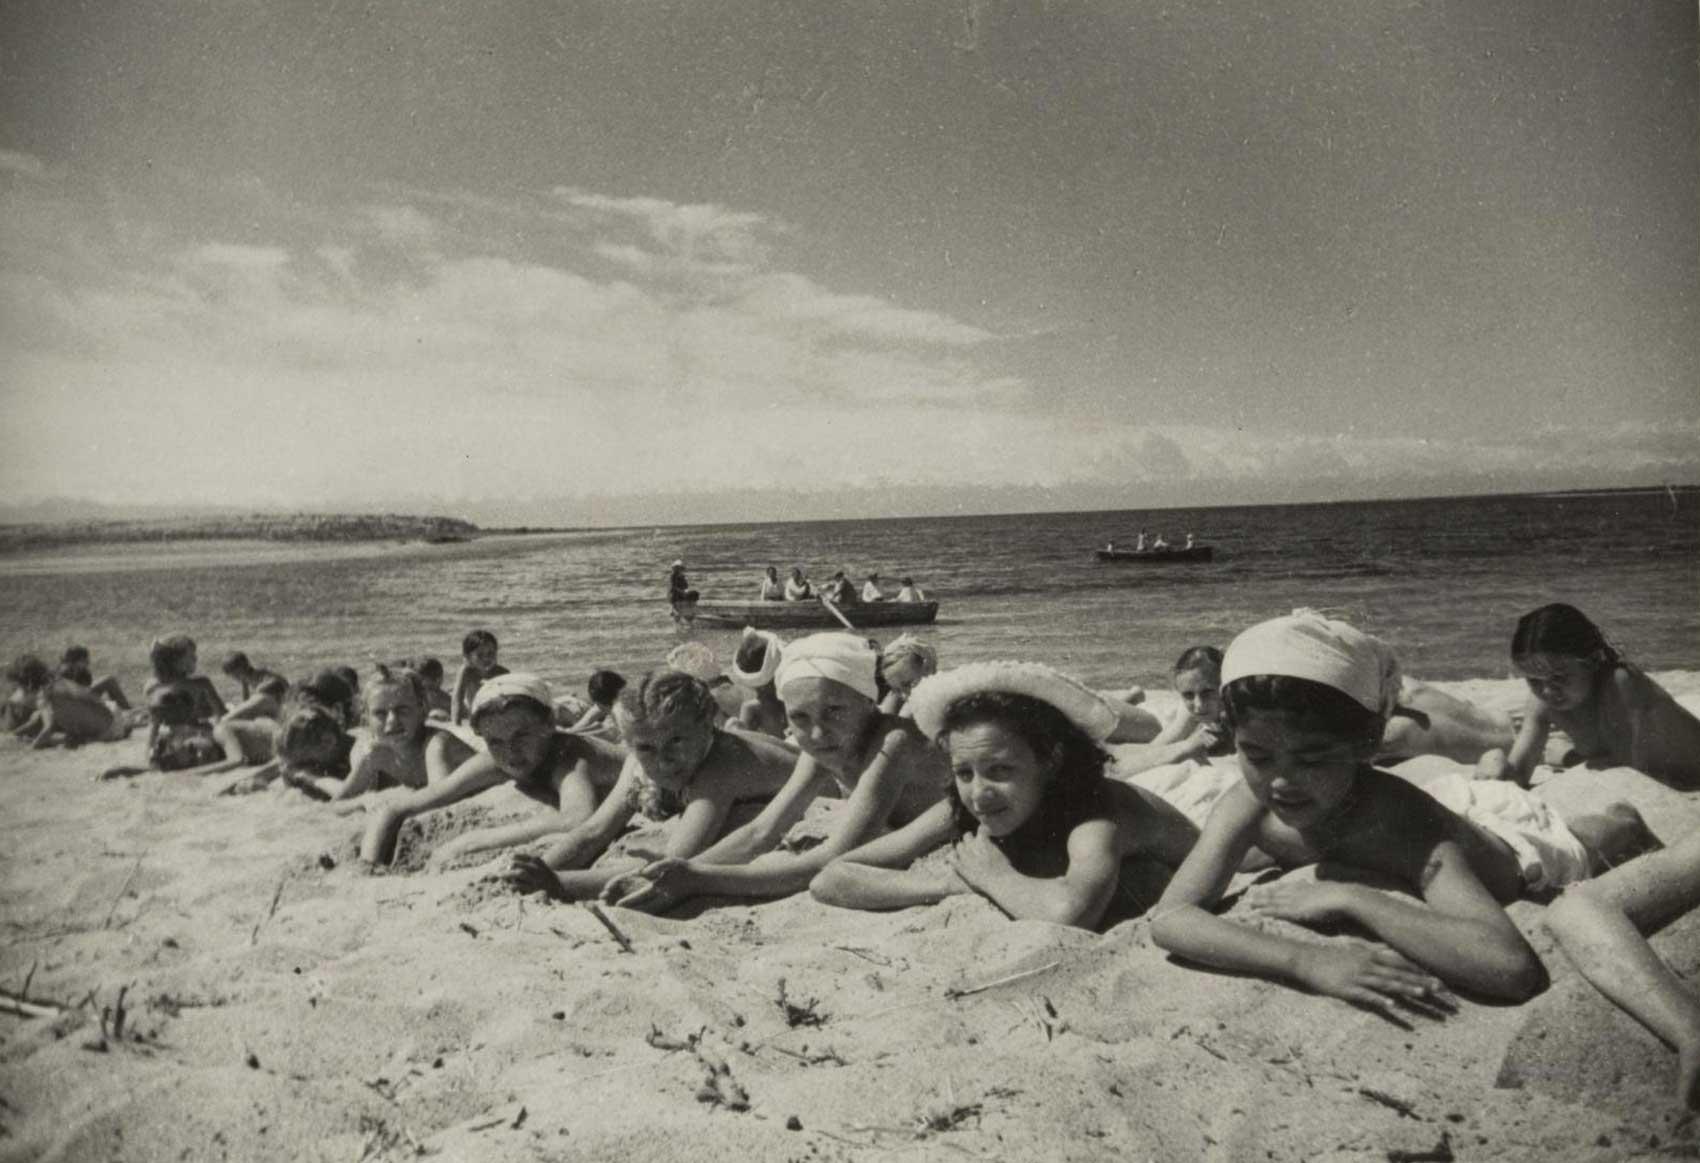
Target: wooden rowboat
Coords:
[[1171, 553], [804, 615]]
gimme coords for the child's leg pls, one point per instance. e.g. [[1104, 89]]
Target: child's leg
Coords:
[[1613, 836]]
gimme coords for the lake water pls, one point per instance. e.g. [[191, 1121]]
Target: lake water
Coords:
[[1442, 580]]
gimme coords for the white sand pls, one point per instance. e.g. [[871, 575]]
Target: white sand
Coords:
[[277, 1008]]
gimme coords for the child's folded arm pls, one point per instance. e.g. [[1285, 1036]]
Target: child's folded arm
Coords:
[[761, 834], [475, 775], [1078, 897], [1459, 933], [876, 875], [589, 839]]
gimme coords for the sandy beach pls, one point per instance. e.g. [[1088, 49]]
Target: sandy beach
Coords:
[[233, 986]]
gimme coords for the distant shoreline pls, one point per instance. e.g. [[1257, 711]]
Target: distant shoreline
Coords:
[[259, 527]]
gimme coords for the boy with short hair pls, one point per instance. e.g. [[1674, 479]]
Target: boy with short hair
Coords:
[[75, 665], [479, 650], [603, 688], [437, 699], [1307, 698], [263, 690]]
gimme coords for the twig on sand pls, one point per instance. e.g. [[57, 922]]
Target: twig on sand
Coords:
[[254, 937], [595, 910], [24, 1008], [955, 992], [122, 889], [1392, 1102]]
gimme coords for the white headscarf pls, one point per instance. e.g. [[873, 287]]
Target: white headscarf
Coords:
[[514, 684], [843, 658], [762, 675], [1306, 645]]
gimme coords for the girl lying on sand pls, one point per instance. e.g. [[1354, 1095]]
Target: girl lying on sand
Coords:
[[1612, 714], [1307, 698], [515, 716], [1600, 925], [905, 661], [174, 661], [60, 710], [399, 737], [1196, 733], [1033, 825], [181, 739], [680, 766], [886, 768]]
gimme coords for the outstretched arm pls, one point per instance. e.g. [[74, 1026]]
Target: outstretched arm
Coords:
[[877, 874], [763, 833], [1600, 926], [1530, 745]]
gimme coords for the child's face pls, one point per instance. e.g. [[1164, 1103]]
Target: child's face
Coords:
[[903, 674], [1561, 682], [998, 777], [1201, 691], [827, 719], [518, 739], [393, 712], [483, 658], [1302, 775], [670, 748]]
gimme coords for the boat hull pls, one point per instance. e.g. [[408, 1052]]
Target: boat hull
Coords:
[[1157, 556], [807, 615]]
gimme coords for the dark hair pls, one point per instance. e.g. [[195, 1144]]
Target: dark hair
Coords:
[[168, 657], [667, 692], [349, 676], [1316, 706], [1562, 629], [274, 685], [1051, 735], [236, 663], [173, 705], [311, 729], [75, 654], [1199, 658], [605, 686], [29, 672], [430, 668], [476, 639], [752, 653], [908, 581], [329, 690]]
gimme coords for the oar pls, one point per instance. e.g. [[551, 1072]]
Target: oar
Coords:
[[837, 613]]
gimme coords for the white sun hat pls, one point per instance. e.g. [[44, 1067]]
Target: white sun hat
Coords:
[[1306, 645], [1082, 706]]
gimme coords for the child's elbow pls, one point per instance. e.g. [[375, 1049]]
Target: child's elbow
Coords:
[[830, 886], [1519, 979]]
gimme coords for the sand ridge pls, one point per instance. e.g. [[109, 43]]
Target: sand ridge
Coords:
[[278, 1003]]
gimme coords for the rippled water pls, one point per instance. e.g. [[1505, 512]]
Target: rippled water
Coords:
[[1444, 580]]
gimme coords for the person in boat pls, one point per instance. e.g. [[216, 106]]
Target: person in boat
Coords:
[[889, 772], [1189, 544], [1139, 542], [514, 714], [772, 589], [753, 668], [682, 768], [910, 592], [839, 591], [1158, 542], [679, 591], [871, 591], [797, 587], [1031, 822]]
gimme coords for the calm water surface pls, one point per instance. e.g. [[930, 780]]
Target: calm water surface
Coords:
[[1443, 580]]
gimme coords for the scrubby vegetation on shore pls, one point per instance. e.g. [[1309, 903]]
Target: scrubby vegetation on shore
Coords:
[[323, 527]]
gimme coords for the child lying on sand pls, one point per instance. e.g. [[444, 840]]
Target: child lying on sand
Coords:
[[905, 661], [478, 649], [262, 691], [680, 765], [514, 714], [753, 667], [75, 664], [1612, 713], [398, 737], [882, 763], [1034, 825], [1307, 699], [183, 740], [174, 661], [1196, 733]]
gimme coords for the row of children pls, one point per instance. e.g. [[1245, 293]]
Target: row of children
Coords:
[[994, 778]]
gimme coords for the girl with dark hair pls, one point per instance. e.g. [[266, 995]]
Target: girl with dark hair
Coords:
[[1610, 713], [1030, 821], [1197, 732]]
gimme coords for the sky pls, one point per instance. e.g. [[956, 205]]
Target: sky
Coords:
[[589, 262]]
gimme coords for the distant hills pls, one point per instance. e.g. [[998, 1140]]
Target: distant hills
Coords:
[[319, 527]]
